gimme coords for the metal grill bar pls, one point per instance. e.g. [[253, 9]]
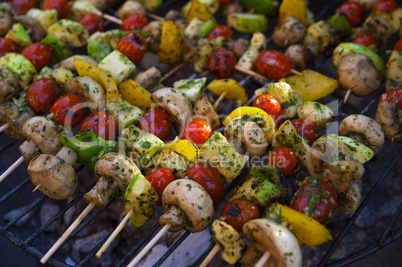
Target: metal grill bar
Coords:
[[363, 204], [8, 146], [14, 190], [171, 249]]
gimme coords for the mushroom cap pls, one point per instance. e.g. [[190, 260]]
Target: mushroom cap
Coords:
[[204, 107], [277, 239], [57, 179], [196, 206], [389, 116], [234, 90], [118, 167], [366, 126]]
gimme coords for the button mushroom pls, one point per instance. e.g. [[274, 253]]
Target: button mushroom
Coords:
[[10, 113], [278, 240], [252, 137], [364, 129], [357, 73], [239, 46], [92, 91], [176, 104], [290, 31], [102, 193], [186, 205], [130, 7], [349, 200], [380, 29], [149, 78], [69, 62], [154, 31], [54, 175], [389, 116], [5, 22], [300, 56], [33, 27], [9, 86], [204, 107], [332, 161]]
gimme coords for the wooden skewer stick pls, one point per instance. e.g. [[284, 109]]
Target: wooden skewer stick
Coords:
[[150, 244], [210, 256], [348, 93], [36, 188], [219, 100], [70, 229], [295, 72], [11, 168], [263, 259], [250, 72], [113, 236], [175, 69], [112, 19], [4, 127], [155, 17]]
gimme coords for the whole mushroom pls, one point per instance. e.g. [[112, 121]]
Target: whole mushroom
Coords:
[[389, 116], [11, 114], [186, 205], [300, 56], [92, 91], [9, 86], [290, 31], [204, 107]]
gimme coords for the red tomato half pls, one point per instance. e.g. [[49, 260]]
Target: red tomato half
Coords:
[[398, 45], [365, 40], [133, 45], [225, 1], [8, 46], [61, 6], [68, 110], [39, 54], [353, 11], [103, 124], [158, 122], [198, 131], [159, 179], [134, 21], [394, 95], [41, 95], [221, 30], [273, 64], [284, 159], [386, 5], [306, 128], [271, 105], [239, 211], [21, 7], [92, 22], [222, 63], [209, 179], [315, 198]]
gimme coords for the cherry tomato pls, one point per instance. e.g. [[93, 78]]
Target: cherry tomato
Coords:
[[306, 128], [68, 110], [198, 131], [394, 95], [41, 95], [284, 159], [134, 21], [92, 22], [365, 40], [273, 64], [133, 45], [61, 6], [225, 1], [398, 45], [386, 5], [221, 30], [7, 46], [39, 54], [158, 122], [353, 11], [159, 179], [209, 179], [103, 124], [315, 198], [239, 211], [222, 63], [21, 7], [271, 105]]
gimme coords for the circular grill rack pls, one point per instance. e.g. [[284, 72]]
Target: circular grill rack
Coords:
[[383, 167]]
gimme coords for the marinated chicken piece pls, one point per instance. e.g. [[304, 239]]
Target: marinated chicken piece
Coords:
[[186, 205], [89, 89], [290, 31], [204, 107], [9, 86], [300, 56], [389, 116]]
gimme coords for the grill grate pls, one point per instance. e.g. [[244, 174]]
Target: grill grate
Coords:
[[390, 234]]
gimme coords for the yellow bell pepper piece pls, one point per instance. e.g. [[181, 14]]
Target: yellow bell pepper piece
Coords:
[[294, 8], [308, 231], [99, 75], [233, 90], [135, 94], [184, 148], [199, 11], [171, 46], [312, 85], [269, 127]]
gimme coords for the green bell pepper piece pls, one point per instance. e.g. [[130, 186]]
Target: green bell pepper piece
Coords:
[[60, 49], [98, 50]]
